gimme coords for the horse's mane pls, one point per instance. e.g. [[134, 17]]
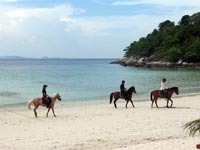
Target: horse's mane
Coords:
[[173, 88], [130, 90], [55, 94]]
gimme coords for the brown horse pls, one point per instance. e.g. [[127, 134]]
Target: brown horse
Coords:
[[156, 94], [38, 101], [128, 96]]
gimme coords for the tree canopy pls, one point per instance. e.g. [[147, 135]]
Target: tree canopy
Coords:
[[170, 42]]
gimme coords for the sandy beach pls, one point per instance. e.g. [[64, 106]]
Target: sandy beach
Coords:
[[101, 127]]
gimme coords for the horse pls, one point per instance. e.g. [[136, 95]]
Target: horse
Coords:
[[38, 102], [156, 94], [128, 96]]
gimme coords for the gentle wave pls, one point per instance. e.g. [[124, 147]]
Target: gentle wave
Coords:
[[9, 94]]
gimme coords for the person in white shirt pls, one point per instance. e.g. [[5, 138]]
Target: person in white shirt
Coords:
[[164, 87]]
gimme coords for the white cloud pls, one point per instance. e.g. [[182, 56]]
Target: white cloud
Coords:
[[54, 12], [12, 19], [33, 28], [88, 26], [178, 3], [40, 31]]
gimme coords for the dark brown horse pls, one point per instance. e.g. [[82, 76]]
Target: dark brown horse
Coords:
[[156, 94], [128, 96]]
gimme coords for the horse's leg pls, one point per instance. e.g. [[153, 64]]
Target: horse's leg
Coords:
[[132, 103], [36, 106], [115, 102], [127, 103], [156, 102], [152, 103], [171, 102], [167, 103], [53, 111], [48, 111]]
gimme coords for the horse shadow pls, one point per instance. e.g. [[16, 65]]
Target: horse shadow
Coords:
[[175, 107]]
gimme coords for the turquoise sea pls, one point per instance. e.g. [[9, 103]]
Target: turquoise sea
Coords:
[[85, 80]]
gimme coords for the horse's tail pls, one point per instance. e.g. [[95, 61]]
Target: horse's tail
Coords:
[[29, 104], [151, 96], [111, 97]]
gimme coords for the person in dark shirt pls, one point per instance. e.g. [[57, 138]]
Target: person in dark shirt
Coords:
[[46, 98], [123, 89]]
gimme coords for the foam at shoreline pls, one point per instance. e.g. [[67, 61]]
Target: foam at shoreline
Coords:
[[69, 103]]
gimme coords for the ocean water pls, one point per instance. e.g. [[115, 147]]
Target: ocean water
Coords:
[[85, 79]]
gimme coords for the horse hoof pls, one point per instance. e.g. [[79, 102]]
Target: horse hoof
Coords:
[[54, 115]]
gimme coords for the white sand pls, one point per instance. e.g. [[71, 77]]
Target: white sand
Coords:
[[101, 127]]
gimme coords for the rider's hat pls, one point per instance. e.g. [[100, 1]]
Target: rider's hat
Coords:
[[164, 80], [123, 81], [45, 85]]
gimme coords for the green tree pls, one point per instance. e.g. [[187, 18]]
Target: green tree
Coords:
[[170, 42], [185, 20]]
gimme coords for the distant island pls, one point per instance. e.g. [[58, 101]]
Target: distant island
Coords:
[[168, 46]]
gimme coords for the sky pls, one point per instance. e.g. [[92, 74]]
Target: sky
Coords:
[[82, 28]]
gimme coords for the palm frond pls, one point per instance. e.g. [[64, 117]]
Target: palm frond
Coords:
[[192, 127]]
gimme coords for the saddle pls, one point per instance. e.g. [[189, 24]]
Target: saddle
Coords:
[[46, 101], [122, 96], [163, 93]]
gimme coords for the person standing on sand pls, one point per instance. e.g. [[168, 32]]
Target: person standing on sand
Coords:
[[46, 98], [123, 89], [164, 87]]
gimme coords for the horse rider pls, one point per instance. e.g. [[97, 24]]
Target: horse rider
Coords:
[[123, 89], [45, 97], [164, 87]]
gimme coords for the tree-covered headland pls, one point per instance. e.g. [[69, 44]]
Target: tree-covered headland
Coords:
[[170, 42]]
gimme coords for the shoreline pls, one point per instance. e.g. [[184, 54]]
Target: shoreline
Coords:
[[148, 62], [96, 101], [101, 126]]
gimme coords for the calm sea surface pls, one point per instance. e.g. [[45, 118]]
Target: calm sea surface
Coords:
[[85, 79]]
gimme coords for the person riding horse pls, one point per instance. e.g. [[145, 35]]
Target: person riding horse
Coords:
[[164, 87], [128, 96], [46, 98], [123, 89]]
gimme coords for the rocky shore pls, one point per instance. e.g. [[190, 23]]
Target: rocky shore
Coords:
[[150, 62]]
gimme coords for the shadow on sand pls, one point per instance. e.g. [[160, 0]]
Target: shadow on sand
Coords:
[[175, 107]]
